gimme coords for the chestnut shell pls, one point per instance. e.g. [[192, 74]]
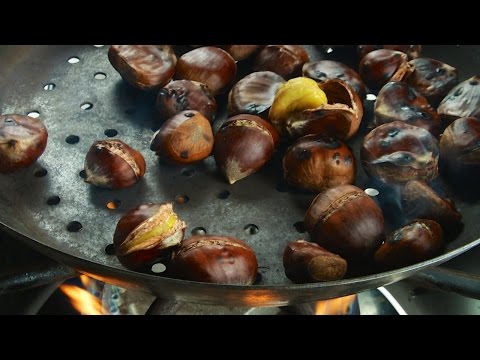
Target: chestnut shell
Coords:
[[285, 60], [413, 51], [241, 52]]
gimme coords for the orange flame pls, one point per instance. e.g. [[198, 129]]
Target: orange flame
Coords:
[[338, 306], [82, 301]]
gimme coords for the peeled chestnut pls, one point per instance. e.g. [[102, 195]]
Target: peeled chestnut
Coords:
[[145, 67], [316, 163], [418, 241], [308, 262], [398, 101], [113, 164], [324, 70], [347, 222], [147, 233], [23, 140], [209, 65], [285, 60], [180, 95], [215, 259], [185, 138], [254, 93], [413, 51], [241, 52], [381, 66], [243, 145], [397, 152]]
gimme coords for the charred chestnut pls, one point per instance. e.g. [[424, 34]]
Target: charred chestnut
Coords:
[[185, 138], [113, 164], [347, 222], [418, 241], [180, 95], [145, 67], [147, 233], [397, 152], [209, 65], [305, 262], [254, 93], [241, 52], [413, 51], [317, 163], [215, 259], [399, 102], [285, 60], [23, 140]]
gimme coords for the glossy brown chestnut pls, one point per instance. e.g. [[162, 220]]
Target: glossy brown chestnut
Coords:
[[241, 52], [418, 241], [185, 138], [285, 60], [215, 259], [243, 145], [254, 93], [147, 233], [381, 66], [145, 67], [316, 163], [347, 222], [306, 262], [462, 101], [23, 140], [397, 152], [113, 164], [324, 70], [398, 101], [413, 51], [180, 95], [209, 65], [432, 78]]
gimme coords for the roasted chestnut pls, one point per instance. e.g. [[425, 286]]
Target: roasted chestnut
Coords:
[[462, 101], [113, 164], [147, 233], [215, 259], [413, 51], [398, 101], [432, 78], [306, 262], [185, 138], [23, 140], [418, 241], [241, 52], [209, 65], [145, 67], [180, 95], [381, 66], [254, 93], [285, 60], [316, 163], [347, 222], [243, 144], [397, 152], [324, 70]]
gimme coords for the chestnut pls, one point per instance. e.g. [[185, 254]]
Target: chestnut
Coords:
[[418, 241], [347, 222], [399, 101], [23, 140], [113, 164], [305, 262], [147, 233], [215, 259], [324, 70], [241, 52], [413, 51], [316, 163], [243, 145], [285, 60], [254, 93], [209, 65], [397, 152], [462, 101], [180, 95], [145, 67], [432, 78], [381, 66], [185, 138]]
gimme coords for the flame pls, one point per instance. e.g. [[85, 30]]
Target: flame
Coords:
[[82, 301], [338, 306]]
